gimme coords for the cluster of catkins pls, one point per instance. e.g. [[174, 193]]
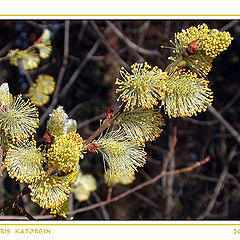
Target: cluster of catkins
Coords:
[[49, 170], [52, 171], [181, 90]]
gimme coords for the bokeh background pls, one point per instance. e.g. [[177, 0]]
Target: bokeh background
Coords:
[[94, 56]]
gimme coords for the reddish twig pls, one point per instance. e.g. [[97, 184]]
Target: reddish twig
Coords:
[[106, 123], [140, 186]]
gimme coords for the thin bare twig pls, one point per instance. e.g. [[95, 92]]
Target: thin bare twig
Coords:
[[79, 69], [131, 44], [37, 25], [170, 178], [146, 200], [26, 73], [79, 106], [128, 192], [171, 151], [219, 117], [105, 124], [103, 208], [201, 123], [25, 199], [82, 30], [90, 120], [23, 211], [10, 203], [5, 48], [229, 25], [218, 188], [140, 186], [105, 42], [109, 194], [61, 73]]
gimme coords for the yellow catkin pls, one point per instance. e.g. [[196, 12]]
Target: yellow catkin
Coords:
[[61, 210], [210, 43], [50, 191], [122, 155], [24, 162], [186, 94], [39, 92], [84, 185], [57, 122], [142, 124], [64, 154], [29, 58], [19, 118], [72, 176], [142, 88], [112, 180]]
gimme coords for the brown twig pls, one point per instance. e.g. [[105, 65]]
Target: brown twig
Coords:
[[146, 200], [219, 186], [5, 49], [201, 122], [25, 199], [190, 168], [140, 186], [27, 75], [220, 118], [90, 120], [23, 211], [79, 69], [170, 178], [171, 66], [171, 151], [128, 192], [106, 123], [61, 73], [108, 46], [103, 209], [229, 25], [131, 44]]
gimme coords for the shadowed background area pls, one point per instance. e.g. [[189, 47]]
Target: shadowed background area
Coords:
[[85, 61]]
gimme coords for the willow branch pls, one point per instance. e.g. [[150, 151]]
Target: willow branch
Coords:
[[106, 123], [170, 178], [120, 196]]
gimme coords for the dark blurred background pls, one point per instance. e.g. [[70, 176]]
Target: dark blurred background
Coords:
[[95, 55]]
